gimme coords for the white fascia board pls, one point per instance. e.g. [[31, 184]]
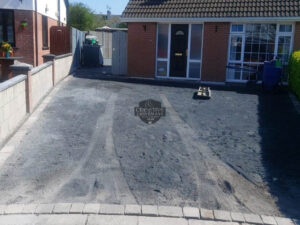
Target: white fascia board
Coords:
[[201, 20]]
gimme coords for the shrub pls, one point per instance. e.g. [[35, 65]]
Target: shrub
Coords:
[[294, 73]]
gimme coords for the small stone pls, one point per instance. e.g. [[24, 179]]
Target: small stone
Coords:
[[170, 211], [191, 213], [237, 217], [44, 209], [207, 214], [222, 215], [252, 218], [133, 210], [62, 208], [29, 209], [76, 208], [149, 210], [91, 209], [112, 209], [14, 209], [269, 220]]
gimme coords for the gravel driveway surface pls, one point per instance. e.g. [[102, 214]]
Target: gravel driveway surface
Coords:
[[235, 152]]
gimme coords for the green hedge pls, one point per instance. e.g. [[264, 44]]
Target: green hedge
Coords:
[[294, 73]]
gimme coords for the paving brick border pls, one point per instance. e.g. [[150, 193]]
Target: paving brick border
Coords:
[[144, 210]]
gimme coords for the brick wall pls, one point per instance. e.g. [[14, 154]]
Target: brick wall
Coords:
[[23, 38], [297, 36], [41, 51], [141, 49], [215, 50]]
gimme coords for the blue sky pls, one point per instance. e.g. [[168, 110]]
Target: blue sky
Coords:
[[117, 6]]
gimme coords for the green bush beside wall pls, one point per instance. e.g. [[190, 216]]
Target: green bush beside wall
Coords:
[[294, 73]]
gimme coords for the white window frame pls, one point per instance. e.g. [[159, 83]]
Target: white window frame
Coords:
[[168, 60], [243, 34]]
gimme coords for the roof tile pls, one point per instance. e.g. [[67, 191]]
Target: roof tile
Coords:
[[211, 8]]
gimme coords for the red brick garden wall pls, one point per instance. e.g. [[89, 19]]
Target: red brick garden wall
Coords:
[[297, 36], [215, 50], [141, 49], [25, 39]]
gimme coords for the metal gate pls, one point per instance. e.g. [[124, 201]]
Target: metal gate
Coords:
[[60, 40], [119, 52]]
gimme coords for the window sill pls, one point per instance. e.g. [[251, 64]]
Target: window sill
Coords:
[[46, 48]]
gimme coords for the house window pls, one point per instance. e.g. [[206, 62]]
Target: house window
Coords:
[[254, 44], [45, 31], [7, 26]]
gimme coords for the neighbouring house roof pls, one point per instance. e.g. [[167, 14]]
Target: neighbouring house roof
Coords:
[[211, 8]]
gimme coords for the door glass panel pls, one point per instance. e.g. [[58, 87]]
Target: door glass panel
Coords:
[[236, 48], [179, 33], [196, 42], [284, 44], [162, 68], [163, 32], [195, 70], [234, 72]]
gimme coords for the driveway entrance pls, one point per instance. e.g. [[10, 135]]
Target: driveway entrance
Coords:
[[87, 145]]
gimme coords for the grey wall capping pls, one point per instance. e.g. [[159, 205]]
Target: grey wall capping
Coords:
[[63, 56], [11, 82], [21, 67], [49, 57], [41, 67]]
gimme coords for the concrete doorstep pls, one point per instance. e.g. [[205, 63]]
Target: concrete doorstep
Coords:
[[106, 214]]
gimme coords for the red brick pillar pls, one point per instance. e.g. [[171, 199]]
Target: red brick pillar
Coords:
[[215, 50], [297, 37], [51, 58], [23, 68]]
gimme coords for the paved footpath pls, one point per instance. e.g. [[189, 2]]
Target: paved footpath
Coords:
[[105, 214]]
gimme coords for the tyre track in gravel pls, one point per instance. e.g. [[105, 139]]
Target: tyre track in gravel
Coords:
[[114, 187], [230, 190]]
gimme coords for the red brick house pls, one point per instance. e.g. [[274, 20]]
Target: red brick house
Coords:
[[199, 39], [33, 40]]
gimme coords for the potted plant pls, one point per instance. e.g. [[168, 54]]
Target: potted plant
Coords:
[[7, 49], [24, 24]]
